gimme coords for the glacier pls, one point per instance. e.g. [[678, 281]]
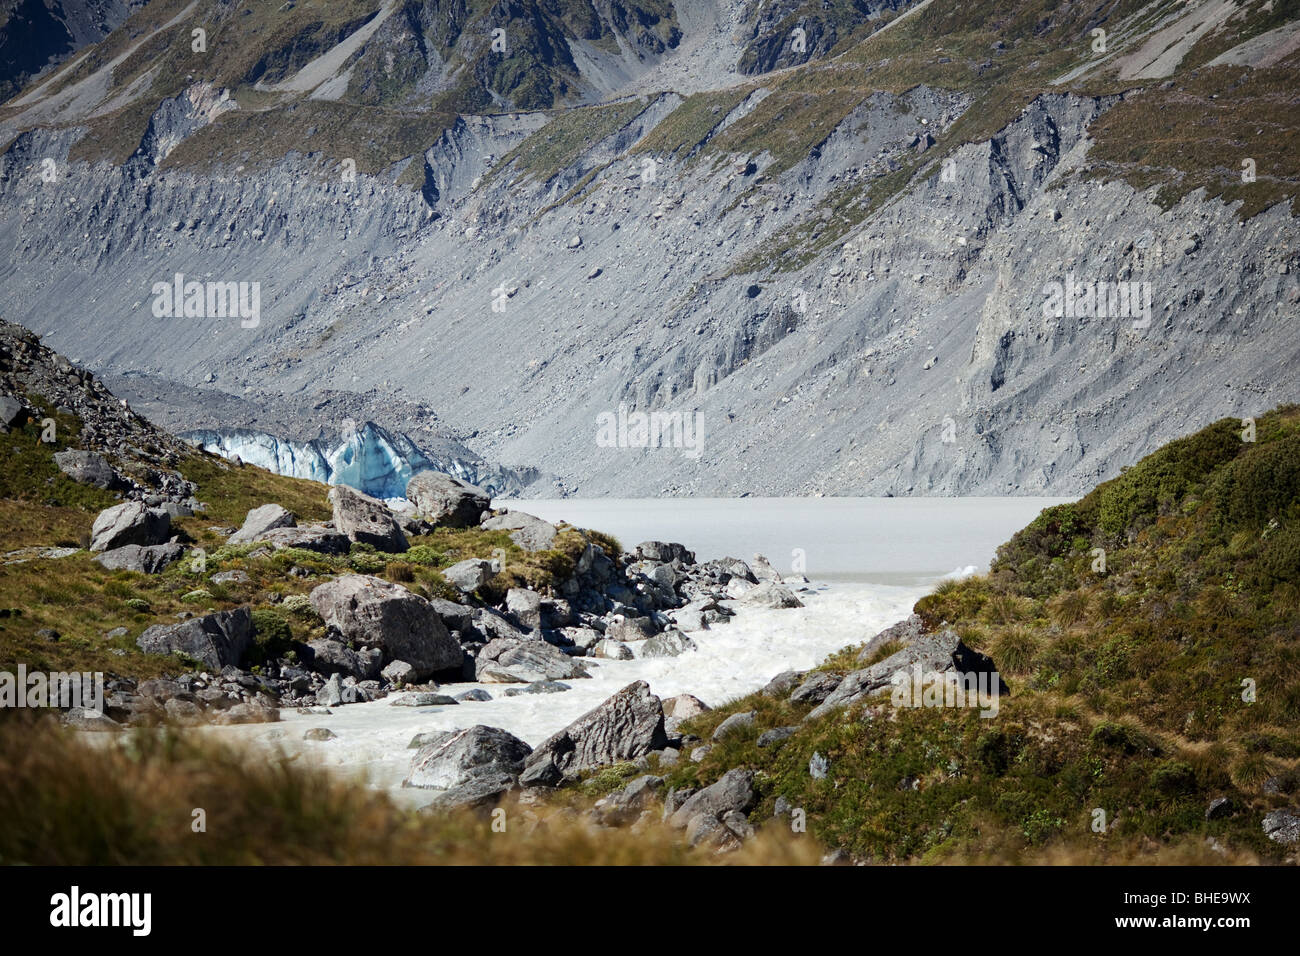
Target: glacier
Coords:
[[367, 457]]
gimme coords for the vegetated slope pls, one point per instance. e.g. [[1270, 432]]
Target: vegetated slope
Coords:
[[1144, 685], [851, 251], [37, 34], [61, 610]]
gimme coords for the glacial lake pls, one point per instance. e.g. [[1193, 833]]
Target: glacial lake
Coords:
[[900, 541]]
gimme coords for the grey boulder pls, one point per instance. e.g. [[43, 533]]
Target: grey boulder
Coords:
[[312, 537], [1282, 826], [89, 468], [904, 632], [525, 606], [668, 644], [942, 653], [732, 793], [377, 613], [628, 725], [216, 640], [366, 520], [260, 520], [146, 559], [733, 724], [469, 575], [524, 662], [626, 806], [529, 532], [335, 657], [446, 501], [132, 522], [456, 757], [664, 551], [772, 594]]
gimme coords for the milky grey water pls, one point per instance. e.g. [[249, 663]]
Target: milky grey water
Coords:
[[905, 541]]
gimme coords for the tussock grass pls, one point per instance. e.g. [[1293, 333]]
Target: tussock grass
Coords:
[[69, 801]]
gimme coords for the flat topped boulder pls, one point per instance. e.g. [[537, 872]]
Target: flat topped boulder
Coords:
[[261, 520], [132, 522], [664, 551], [506, 661], [217, 640], [373, 612], [366, 520], [529, 532], [447, 501], [308, 537], [146, 559], [627, 726]]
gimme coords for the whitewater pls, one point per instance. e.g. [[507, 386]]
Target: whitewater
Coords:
[[869, 559], [732, 660]]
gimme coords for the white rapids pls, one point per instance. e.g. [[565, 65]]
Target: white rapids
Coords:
[[732, 660]]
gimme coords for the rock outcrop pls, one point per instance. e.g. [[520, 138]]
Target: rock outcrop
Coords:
[[626, 726], [369, 611]]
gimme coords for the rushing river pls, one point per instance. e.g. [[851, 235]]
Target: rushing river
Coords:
[[869, 561]]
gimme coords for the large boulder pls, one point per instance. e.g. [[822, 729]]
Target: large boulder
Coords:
[[504, 661], [312, 537], [732, 793], [626, 806], [446, 501], [457, 617], [12, 413], [132, 522], [261, 520], [942, 653], [370, 611], [366, 520], [217, 640], [335, 657], [772, 594], [525, 606], [469, 575], [670, 643], [627, 726], [149, 559], [904, 632], [683, 706], [454, 758], [529, 532], [763, 570], [89, 468], [664, 551], [630, 629]]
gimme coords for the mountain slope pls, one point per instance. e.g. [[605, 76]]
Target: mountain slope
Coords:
[[847, 248]]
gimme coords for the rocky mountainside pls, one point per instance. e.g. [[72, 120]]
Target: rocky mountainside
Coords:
[[36, 35], [857, 247]]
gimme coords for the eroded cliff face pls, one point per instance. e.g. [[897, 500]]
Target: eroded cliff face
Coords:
[[852, 289]]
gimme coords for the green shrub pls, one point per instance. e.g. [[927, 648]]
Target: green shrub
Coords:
[[272, 636], [423, 554]]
